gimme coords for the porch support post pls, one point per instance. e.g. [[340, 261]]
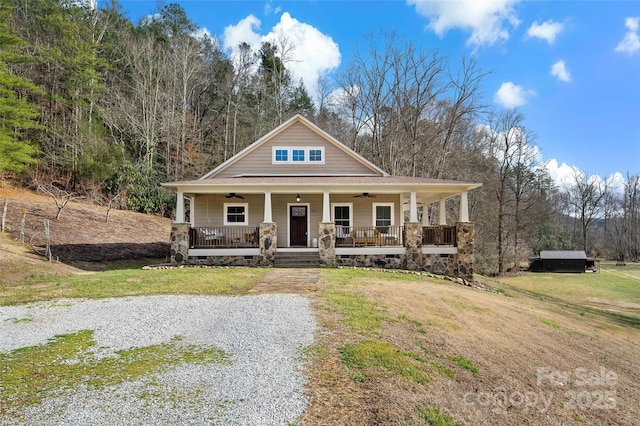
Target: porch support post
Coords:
[[413, 208], [442, 213], [179, 243], [267, 208], [326, 207], [192, 205], [465, 257], [327, 243], [413, 245], [464, 207], [268, 243], [180, 207], [425, 215]]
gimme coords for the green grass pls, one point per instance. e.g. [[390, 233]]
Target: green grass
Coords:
[[549, 323], [361, 314], [29, 374], [135, 282], [346, 276], [435, 416], [372, 354], [617, 283], [464, 363]]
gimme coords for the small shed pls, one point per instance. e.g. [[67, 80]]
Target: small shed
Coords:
[[562, 261]]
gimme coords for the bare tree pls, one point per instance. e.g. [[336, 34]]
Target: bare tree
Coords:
[[60, 196], [586, 199]]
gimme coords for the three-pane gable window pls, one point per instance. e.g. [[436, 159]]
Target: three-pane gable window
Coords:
[[298, 155]]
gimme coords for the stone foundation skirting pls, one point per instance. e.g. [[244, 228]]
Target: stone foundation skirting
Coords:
[[458, 265], [225, 260]]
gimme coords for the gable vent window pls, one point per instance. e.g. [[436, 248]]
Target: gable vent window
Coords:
[[298, 155]]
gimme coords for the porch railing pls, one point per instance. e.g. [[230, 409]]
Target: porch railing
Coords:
[[442, 235], [369, 236], [225, 237]]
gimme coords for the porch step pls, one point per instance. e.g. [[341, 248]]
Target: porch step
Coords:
[[297, 260]]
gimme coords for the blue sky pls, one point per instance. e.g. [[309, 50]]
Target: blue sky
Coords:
[[571, 67]]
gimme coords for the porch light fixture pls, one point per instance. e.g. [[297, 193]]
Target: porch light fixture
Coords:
[[298, 198]]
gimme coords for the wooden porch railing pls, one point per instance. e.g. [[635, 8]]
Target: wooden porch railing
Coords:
[[369, 236], [225, 237], [441, 235]]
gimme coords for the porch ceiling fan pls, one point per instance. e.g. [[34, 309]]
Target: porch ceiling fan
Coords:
[[364, 195], [234, 195]]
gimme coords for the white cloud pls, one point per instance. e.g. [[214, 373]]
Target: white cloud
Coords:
[[559, 70], [510, 95], [314, 53], [245, 31], [485, 19], [562, 175], [270, 10], [548, 30], [631, 42]]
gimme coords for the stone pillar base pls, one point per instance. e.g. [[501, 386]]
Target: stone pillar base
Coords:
[[179, 243], [413, 244], [465, 239], [268, 243], [327, 243]]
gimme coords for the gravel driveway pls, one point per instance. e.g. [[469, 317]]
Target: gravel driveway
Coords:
[[262, 384]]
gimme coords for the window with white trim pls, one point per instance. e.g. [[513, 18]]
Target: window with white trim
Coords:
[[281, 155], [343, 218], [383, 216], [298, 155], [236, 214]]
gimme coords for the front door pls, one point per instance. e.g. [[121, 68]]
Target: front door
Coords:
[[298, 224]]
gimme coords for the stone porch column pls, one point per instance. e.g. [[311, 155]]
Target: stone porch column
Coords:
[[413, 245], [465, 239], [268, 243], [327, 243], [179, 243]]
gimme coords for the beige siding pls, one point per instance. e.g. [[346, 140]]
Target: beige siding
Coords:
[[363, 207], [281, 204], [259, 161], [209, 209]]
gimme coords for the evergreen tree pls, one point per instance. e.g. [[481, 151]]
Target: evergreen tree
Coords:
[[18, 117]]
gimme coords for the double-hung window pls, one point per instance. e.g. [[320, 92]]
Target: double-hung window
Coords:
[[342, 219], [236, 214], [383, 216]]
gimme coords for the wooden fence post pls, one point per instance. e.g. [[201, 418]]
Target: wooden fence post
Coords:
[[47, 237], [23, 222], [4, 213]]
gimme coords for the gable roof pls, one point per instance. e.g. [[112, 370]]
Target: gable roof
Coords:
[[281, 128], [563, 254]]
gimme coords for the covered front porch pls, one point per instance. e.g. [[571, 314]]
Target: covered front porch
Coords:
[[237, 226]]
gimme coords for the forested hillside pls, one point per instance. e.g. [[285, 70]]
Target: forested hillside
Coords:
[[96, 105]]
